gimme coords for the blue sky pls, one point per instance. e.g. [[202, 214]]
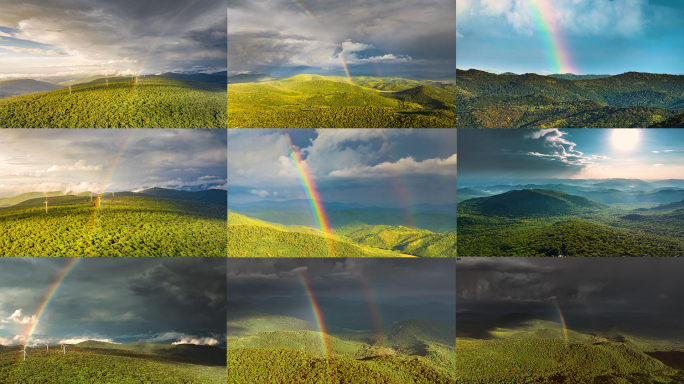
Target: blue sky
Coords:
[[381, 167], [654, 154], [601, 36]]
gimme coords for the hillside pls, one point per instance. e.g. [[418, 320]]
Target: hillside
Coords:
[[268, 366], [305, 341], [253, 237], [9, 201], [82, 364], [199, 353], [9, 88], [532, 101], [673, 122], [245, 323], [310, 101], [529, 202], [250, 78], [557, 361], [155, 102], [127, 224]]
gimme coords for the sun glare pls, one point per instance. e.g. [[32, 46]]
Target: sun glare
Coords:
[[625, 139]]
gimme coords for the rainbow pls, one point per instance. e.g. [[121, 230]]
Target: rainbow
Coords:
[[562, 319], [337, 50], [115, 163], [370, 302], [144, 60], [559, 55], [309, 186], [49, 295]]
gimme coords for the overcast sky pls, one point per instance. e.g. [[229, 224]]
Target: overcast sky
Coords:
[[80, 160], [374, 37], [596, 36], [647, 154], [382, 167], [120, 300], [56, 39], [339, 279], [602, 286]]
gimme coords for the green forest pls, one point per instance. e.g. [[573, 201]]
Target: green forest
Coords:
[[314, 101], [628, 100], [536, 351], [84, 364], [282, 349], [155, 102], [251, 237], [124, 224], [538, 222]]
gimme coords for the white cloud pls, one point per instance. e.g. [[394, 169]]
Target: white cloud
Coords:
[[200, 341], [34, 51], [560, 148], [76, 340], [16, 318], [599, 157], [182, 338], [261, 193], [657, 165], [405, 166], [349, 46], [78, 166], [17, 339]]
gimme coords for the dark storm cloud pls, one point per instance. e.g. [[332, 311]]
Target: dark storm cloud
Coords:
[[344, 278], [519, 154], [374, 36], [606, 285], [118, 299]]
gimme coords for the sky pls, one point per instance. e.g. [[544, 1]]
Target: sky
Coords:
[[81, 160], [578, 36], [519, 154], [121, 300], [598, 286], [394, 168], [56, 40], [277, 278], [374, 37]]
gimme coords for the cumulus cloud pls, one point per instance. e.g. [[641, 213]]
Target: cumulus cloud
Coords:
[[561, 149], [16, 318], [78, 166], [197, 341], [182, 338], [76, 340], [260, 193], [405, 166], [33, 51]]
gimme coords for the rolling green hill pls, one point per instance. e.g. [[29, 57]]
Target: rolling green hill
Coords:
[[104, 365], [9, 201], [250, 237], [200, 353], [529, 202], [532, 101], [268, 366], [310, 101], [156, 102], [127, 224], [251, 322], [305, 341], [673, 122], [20, 87]]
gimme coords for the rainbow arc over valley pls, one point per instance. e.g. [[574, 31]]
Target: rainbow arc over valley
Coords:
[[545, 18]]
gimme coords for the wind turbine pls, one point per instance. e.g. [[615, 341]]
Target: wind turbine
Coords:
[[91, 196], [64, 349], [46, 205], [70, 89], [25, 354], [47, 347]]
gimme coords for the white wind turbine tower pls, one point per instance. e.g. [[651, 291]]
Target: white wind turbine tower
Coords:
[[64, 349], [70, 89], [46, 205], [47, 347], [25, 354], [91, 196]]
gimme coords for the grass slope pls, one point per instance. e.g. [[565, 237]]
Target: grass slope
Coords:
[[290, 366], [310, 101], [14, 200], [128, 224], [250, 322], [98, 365], [156, 102]]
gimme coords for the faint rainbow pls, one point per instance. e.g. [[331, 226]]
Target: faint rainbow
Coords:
[[370, 302], [339, 53], [400, 186], [309, 185], [49, 295], [115, 163], [562, 319], [557, 50], [144, 60]]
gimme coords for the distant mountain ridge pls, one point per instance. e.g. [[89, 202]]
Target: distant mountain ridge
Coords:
[[529, 202], [9, 88]]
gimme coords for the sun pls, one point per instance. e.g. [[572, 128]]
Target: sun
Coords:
[[625, 139]]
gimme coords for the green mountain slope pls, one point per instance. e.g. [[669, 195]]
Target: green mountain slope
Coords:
[[124, 225], [406, 240], [673, 122], [304, 101], [9, 201], [557, 361], [247, 366], [155, 102], [199, 353], [250, 322], [305, 341], [529, 202], [214, 196], [101, 365], [20, 87], [533, 101]]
